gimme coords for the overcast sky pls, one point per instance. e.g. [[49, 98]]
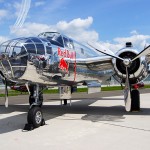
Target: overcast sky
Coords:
[[109, 22]]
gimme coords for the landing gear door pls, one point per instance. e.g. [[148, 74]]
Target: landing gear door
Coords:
[[65, 92]]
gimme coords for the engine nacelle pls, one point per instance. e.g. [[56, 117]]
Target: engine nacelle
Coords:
[[138, 69]]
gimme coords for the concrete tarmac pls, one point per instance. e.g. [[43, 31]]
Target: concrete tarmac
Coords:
[[92, 122]]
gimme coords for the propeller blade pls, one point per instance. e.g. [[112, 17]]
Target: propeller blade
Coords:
[[143, 52], [104, 51], [127, 92], [6, 93]]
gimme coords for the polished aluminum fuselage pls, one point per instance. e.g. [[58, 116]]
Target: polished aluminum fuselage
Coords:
[[37, 60]]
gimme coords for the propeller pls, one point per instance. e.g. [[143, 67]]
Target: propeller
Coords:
[[144, 52], [127, 92], [6, 93], [126, 62]]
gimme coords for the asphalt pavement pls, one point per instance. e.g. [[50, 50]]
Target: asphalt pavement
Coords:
[[96, 121]]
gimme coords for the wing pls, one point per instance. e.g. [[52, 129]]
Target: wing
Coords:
[[95, 63]]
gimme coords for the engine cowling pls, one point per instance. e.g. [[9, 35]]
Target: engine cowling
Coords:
[[138, 69]]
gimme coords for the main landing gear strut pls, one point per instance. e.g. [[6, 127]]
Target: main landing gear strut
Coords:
[[35, 116]]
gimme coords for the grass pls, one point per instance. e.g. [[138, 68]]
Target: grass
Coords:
[[146, 86], [13, 93], [54, 91]]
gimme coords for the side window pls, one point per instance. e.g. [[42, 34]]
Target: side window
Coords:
[[82, 50], [48, 50], [30, 48], [40, 49]]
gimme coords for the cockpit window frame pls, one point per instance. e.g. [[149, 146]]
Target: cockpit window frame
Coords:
[[68, 43], [54, 38]]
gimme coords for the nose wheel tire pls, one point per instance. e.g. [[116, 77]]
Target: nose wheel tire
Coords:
[[35, 117]]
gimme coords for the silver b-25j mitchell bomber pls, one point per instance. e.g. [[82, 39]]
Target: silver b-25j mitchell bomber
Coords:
[[52, 59]]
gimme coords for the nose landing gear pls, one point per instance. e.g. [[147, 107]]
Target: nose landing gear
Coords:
[[35, 116]]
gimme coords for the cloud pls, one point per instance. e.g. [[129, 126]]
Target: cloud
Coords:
[[39, 3], [80, 30], [111, 46], [33, 29], [3, 14], [134, 32], [76, 23], [138, 40], [3, 39], [77, 28]]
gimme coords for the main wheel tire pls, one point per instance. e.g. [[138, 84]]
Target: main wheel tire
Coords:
[[135, 100], [35, 117]]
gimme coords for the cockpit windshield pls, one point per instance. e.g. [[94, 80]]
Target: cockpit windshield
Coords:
[[60, 40], [54, 37]]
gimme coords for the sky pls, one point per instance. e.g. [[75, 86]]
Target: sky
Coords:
[[111, 23]]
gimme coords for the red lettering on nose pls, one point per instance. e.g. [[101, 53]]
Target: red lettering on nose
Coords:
[[66, 53], [63, 64]]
